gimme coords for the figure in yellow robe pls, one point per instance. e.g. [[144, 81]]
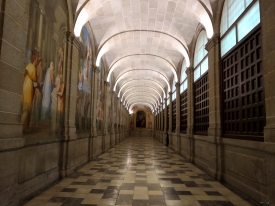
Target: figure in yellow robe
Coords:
[[28, 89]]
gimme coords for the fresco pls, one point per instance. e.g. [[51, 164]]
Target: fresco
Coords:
[[149, 117], [141, 119], [84, 86], [148, 114], [43, 93], [100, 99]]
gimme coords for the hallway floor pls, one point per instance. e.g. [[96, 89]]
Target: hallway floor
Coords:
[[138, 171]]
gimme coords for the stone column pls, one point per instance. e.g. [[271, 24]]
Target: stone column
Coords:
[[190, 113], [178, 148], [268, 52]]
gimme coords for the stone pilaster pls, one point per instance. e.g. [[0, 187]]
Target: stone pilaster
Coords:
[[170, 113], [190, 112], [112, 96], [165, 115], [213, 48], [268, 52], [178, 148], [71, 66], [215, 130], [95, 98], [105, 114]]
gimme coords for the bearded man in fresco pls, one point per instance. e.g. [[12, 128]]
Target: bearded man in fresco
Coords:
[[28, 90]]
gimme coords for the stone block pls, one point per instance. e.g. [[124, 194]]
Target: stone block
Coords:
[[9, 165], [17, 13], [269, 42], [10, 131], [13, 56], [9, 196], [7, 144], [11, 79], [10, 102], [9, 117], [249, 167]]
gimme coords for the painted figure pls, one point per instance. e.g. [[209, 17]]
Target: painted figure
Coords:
[[37, 92], [48, 86], [28, 90]]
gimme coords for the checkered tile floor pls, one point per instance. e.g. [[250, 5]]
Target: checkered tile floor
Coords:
[[138, 171]]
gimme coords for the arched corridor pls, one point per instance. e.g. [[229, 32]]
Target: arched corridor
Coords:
[[82, 79], [138, 171]]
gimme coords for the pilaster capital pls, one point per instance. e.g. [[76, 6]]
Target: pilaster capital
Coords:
[[212, 42], [95, 69], [106, 83], [76, 42], [69, 36], [42, 9], [189, 70]]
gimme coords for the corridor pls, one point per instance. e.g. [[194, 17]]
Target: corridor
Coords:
[[138, 171]]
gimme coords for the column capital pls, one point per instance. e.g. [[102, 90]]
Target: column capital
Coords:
[[212, 42], [189, 70], [170, 94], [177, 84]]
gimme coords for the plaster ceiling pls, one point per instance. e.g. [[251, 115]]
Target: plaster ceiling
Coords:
[[144, 41]]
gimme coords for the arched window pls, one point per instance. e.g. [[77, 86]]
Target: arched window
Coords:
[[174, 94], [200, 58], [239, 17], [183, 98], [201, 103], [242, 73], [183, 77]]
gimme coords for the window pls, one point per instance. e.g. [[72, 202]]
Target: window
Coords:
[[200, 58], [201, 103], [183, 77], [242, 74], [174, 94], [183, 98], [174, 116], [238, 19]]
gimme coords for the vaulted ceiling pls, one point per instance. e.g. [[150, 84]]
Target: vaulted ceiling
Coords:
[[144, 41]]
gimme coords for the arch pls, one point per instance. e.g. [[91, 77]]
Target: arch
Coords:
[[112, 67], [183, 49], [141, 103], [142, 92], [143, 96], [145, 88], [136, 70], [156, 83]]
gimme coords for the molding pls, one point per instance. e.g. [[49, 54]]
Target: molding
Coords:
[[189, 70], [212, 42]]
